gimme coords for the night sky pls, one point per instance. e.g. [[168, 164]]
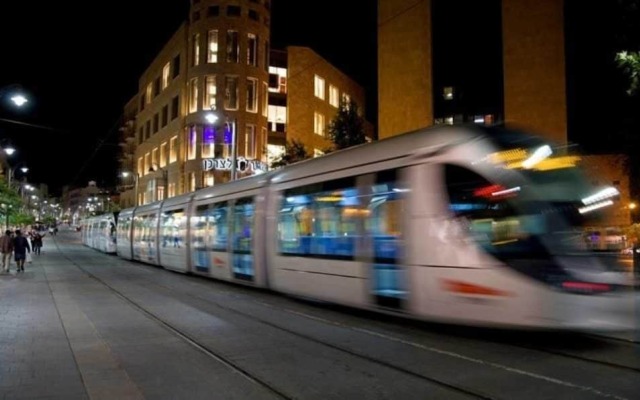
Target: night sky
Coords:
[[80, 63]]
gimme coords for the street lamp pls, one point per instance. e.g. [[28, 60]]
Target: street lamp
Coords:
[[16, 95], [125, 174], [211, 118]]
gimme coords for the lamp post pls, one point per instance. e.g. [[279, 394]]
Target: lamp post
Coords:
[[211, 118], [135, 177]]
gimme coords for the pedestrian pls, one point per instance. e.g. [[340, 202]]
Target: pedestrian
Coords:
[[20, 248], [6, 248]]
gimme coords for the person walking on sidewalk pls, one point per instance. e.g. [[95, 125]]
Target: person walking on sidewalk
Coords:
[[20, 248], [6, 248]]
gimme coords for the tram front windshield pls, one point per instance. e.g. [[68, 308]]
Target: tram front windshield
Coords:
[[546, 211]]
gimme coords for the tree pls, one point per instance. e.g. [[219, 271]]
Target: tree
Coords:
[[347, 127], [629, 62], [294, 151]]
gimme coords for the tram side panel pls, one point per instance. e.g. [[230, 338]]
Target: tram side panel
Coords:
[[173, 238], [314, 237], [225, 234], [123, 238]]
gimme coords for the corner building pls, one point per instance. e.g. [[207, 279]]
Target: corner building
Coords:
[[215, 65]]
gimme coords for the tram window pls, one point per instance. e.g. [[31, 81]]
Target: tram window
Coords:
[[320, 220], [173, 228], [485, 211], [210, 227], [243, 214]]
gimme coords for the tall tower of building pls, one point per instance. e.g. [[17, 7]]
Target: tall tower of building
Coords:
[[448, 61], [227, 77]]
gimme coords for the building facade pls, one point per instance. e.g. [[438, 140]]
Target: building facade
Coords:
[[305, 91], [204, 92], [451, 61], [213, 90]]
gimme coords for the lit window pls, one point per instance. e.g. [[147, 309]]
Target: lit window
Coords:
[[334, 98], [147, 163], [192, 137], [193, 95], [172, 189], [209, 178], [212, 52], [447, 93], [252, 49], [233, 47], [317, 153], [166, 72], [319, 87], [346, 99], [277, 118], [149, 93], [196, 50], [173, 150], [163, 154], [318, 126], [140, 166], [265, 99], [250, 142], [274, 152], [210, 100], [478, 119], [208, 141], [252, 95], [192, 181], [231, 93], [277, 80], [154, 157]]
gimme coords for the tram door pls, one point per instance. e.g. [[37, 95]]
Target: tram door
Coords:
[[242, 233], [384, 226]]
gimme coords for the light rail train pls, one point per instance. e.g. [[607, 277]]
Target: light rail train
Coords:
[[469, 225]]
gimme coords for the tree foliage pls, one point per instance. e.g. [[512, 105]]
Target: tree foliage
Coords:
[[347, 127], [294, 151], [629, 62]]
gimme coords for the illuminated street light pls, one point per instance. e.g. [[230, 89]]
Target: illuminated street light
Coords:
[[19, 100], [632, 206], [9, 150], [125, 174]]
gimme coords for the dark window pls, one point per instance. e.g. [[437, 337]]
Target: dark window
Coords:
[[165, 115], [155, 123], [281, 127], [175, 105], [141, 135], [142, 100], [148, 130], [274, 81], [617, 183], [266, 21], [213, 11], [253, 14], [233, 11], [156, 87], [267, 4], [266, 56], [196, 16], [175, 70]]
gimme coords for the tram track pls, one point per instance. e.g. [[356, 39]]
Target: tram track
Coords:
[[465, 390], [207, 350]]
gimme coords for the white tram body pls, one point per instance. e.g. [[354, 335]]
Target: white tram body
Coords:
[[455, 224], [99, 232]]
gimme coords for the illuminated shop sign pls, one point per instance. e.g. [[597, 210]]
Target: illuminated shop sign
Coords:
[[242, 165]]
